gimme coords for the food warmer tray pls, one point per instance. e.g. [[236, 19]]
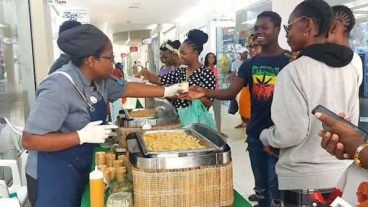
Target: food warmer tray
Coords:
[[220, 153]]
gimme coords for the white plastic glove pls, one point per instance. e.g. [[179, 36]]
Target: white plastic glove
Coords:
[[94, 132], [172, 90]]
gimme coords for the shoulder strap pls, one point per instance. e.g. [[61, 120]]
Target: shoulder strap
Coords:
[[69, 77], [66, 75]]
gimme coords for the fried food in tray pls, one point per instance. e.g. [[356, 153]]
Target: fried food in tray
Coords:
[[142, 113], [171, 141]]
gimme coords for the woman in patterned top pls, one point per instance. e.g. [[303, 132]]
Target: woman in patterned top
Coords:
[[194, 72]]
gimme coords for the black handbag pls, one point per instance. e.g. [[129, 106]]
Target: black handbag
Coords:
[[233, 107]]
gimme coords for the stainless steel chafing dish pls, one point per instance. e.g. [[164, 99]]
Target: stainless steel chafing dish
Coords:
[[164, 114], [216, 151]]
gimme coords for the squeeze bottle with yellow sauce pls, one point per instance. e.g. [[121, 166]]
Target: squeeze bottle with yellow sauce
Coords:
[[96, 188]]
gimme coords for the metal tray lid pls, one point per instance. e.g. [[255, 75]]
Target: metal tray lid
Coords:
[[139, 160], [213, 141], [212, 135], [139, 118]]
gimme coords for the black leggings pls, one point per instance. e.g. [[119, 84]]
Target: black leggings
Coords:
[[32, 189]]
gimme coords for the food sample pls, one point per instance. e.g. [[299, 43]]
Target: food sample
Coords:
[[110, 157], [117, 163], [120, 174], [101, 167], [107, 174], [183, 87], [100, 158], [169, 141], [142, 113], [113, 172]]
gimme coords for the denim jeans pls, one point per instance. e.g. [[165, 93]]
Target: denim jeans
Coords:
[[263, 167]]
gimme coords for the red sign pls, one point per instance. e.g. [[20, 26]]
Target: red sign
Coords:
[[133, 49]]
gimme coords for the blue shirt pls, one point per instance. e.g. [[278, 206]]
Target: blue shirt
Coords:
[[259, 73], [60, 108]]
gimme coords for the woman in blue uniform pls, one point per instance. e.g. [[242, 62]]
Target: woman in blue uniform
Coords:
[[65, 122]]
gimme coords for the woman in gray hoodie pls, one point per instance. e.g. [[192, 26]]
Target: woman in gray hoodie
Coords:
[[322, 74]]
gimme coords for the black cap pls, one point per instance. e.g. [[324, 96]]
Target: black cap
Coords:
[[81, 41]]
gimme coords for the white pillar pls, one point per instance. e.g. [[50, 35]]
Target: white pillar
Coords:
[[284, 9], [41, 37], [211, 29], [25, 53]]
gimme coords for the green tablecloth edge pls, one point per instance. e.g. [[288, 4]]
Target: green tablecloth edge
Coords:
[[85, 196]]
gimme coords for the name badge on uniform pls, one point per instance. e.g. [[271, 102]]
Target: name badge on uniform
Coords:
[[93, 99]]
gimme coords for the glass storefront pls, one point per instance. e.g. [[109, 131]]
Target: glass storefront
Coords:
[[17, 82]]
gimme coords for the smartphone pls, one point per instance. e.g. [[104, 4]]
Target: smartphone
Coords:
[[331, 114]]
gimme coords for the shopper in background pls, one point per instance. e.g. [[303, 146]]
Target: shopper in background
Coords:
[[345, 139], [259, 73], [194, 72], [244, 95], [240, 58], [64, 58], [65, 123], [254, 48], [137, 67], [340, 31], [321, 75], [210, 62], [118, 71], [169, 56]]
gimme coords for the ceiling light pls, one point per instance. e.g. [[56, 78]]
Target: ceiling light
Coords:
[[154, 36], [191, 14], [167, 27], [360, 16], [128, 40], [251, 21], [152, 27]]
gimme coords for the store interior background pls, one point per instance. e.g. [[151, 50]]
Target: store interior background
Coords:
[[28, 33]]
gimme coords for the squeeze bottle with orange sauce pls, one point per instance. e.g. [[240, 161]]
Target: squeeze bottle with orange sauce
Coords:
[[96, 188]]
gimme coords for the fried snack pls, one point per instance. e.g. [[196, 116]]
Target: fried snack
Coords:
[[120, 174], [169, 141], [110, 157], [113, 172], [142, 113], [101, 167], [117, 163], [100, 158], [107, 174]]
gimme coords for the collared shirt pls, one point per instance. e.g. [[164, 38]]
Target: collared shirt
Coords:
[[60, 108]]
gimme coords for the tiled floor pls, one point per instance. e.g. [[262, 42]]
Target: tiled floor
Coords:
[[243, 177]]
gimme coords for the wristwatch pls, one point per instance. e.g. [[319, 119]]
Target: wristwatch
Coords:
[[357, 153]]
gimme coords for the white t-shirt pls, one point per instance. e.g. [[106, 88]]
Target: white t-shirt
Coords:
[[236, 65], [357, 63]]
